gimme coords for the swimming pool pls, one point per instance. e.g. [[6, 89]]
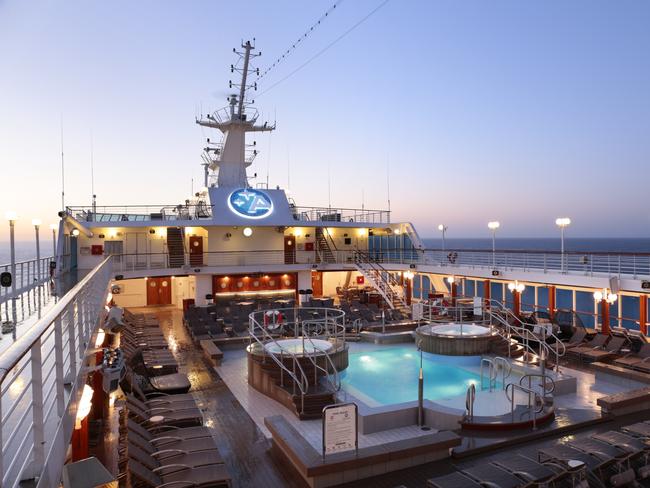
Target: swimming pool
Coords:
[[388, 376]]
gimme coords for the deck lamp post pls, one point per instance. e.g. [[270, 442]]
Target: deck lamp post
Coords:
[[493, 226], [606, 298], [443, 228], [408, 277], [453, 289], [37, 225], [562, 223], [516, 288], [53, 227], [11, 217]]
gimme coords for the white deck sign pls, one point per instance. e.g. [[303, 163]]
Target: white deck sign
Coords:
[[340, 428]]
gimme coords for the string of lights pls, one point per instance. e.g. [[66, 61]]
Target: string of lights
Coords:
[[331, 44], [296, 44]]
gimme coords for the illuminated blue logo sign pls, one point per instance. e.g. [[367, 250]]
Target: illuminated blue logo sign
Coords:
[[250, 203]]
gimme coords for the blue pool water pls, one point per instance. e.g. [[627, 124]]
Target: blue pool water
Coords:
[[389, 375]]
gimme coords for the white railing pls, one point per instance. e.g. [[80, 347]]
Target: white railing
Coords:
[[636, 265], [41, 378], [627, 265], [33, 290]]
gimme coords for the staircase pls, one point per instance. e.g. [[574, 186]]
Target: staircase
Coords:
[[323, 246], [175, 247], [381, 280]]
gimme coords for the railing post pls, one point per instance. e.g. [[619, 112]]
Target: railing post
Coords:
[[58, 365], [38, 451], [71, 344]]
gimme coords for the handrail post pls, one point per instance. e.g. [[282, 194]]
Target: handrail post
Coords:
[[58, 364], [38, 429], [71, 344]]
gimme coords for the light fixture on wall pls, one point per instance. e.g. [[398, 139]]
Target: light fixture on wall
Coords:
[[75, 232], [247, 232], [605, 295], [516, 287]]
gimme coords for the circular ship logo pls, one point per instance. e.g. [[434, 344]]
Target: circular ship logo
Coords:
[[250, 203]]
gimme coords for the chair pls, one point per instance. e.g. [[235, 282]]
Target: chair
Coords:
[[453, 480], [160, 435], [206, 476], [630, 360], [609, 351], [179, 418], [597, 342], [173, 457], [491, 475], [530, 469]]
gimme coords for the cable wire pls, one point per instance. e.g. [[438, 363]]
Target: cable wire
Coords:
[[319, 53]]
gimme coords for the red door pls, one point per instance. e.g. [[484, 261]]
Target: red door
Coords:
[[196, 251], [317, 283], [159, 290], [289, 250]]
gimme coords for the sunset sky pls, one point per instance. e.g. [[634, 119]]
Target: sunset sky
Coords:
[[503, 110]]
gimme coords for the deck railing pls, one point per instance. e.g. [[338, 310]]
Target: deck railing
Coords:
[[31, 277], [636, 266], [41, 378]]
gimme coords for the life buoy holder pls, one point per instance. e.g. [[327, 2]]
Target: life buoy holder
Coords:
[[451, 257]]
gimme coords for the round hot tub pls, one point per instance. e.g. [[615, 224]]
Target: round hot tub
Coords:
[[464, 330], [295, 346], [455, 339]]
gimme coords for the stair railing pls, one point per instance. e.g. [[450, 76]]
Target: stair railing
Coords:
[[491, 373], [335, 383], [506, 369], [382, 279], [548, 384], [532, 406], [296, 373]]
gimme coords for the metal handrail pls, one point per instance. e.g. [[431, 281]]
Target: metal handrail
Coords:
[[492, 374], [302, 382], [336, 384], [505, 366], [536, 396], [32, 391], [545, 378]]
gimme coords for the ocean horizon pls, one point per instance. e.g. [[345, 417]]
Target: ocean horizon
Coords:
[[26, 250]]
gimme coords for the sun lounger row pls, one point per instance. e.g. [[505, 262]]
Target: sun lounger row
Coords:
[[163, 443], [613, 458]]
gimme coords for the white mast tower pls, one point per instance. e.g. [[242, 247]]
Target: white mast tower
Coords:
[[232, 156]]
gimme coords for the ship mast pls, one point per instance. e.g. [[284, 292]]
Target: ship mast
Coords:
[[232, 155]]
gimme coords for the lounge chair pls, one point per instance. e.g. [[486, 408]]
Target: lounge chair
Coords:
[[181, 403], [630, 360], [214, 476], [640, 429], [596, 343], [165, 416], [160, 435], [166, 384], [530, 470], [577, 339], [608, 351], [491, 475], [599, 449], [171, 446], [634, 446], [173, 457], [643, 366], [453, 480]]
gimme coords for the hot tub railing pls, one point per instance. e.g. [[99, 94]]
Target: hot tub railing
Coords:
[[532, 406], [334, 384]]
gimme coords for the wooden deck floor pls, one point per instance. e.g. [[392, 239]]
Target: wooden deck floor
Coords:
[[245, 450]]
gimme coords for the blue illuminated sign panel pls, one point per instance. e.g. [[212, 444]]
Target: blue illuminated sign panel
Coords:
[[250, 203]]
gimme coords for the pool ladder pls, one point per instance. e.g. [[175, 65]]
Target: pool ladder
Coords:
[[493, 366], [469, 401]]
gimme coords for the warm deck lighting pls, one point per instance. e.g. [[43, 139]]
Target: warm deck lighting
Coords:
[[11, 215], [494, 225], [54, 226], [397, 232], [563, 222], [605, 295], [248, 232], [516, 287], [101, 335], [409, 275], [75, 232], [451, 279], [36, 222], [85, 404]]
